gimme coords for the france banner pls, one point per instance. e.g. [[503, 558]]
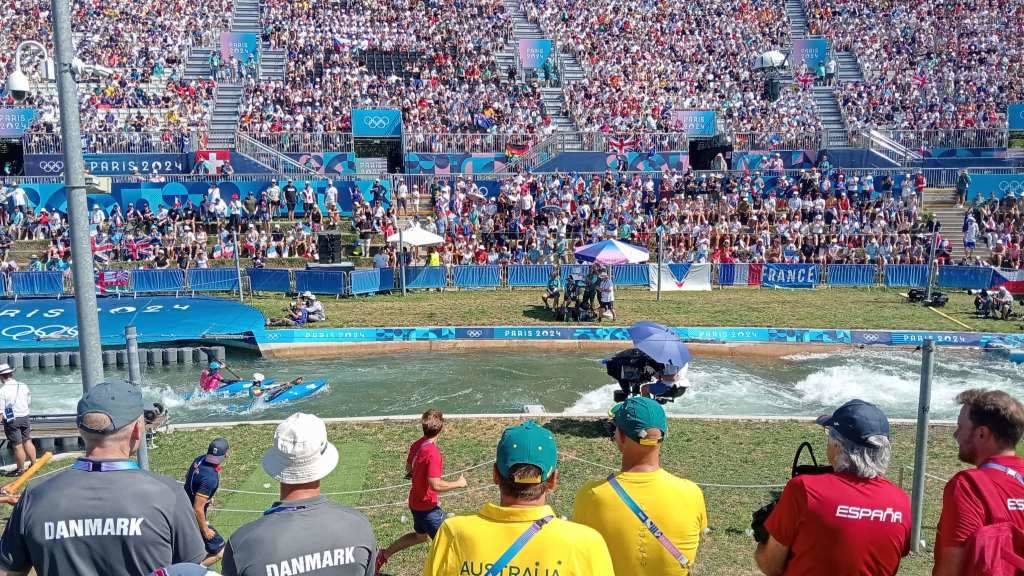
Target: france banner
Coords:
[[810, 51], [791, 275], [15, 121], [534, 52], [679, 277]]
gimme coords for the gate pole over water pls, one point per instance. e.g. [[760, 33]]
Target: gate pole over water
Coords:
[[401, 258], [921, 444], [238, 267], [135, 379], [661, 258]]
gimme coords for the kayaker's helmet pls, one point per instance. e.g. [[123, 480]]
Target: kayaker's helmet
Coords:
[[257, 377], [214, 365]]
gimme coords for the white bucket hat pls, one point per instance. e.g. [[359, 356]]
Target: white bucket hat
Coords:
[[5, 368], [301, 452]]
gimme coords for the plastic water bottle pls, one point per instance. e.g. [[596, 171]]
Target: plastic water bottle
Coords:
[[749, 532], [403, 519]]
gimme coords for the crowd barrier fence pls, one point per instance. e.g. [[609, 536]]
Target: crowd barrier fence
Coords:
[[374, 281]]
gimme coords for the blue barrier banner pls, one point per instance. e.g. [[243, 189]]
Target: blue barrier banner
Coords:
[[791, 275], [112, 164], [1015, 116], [577, 271], [15, 121], [965, 277], [319, 282], [51, 323], [372, 281], [852, 274], [213, 279], [158, 280], [529, 275], [376, 122], [425, 277], [907, 275], [695, 123], [999, 185], [533, 52], [37, 283], [269, 279], [477, 276], [810, 51], [630, 275], [388, 279]]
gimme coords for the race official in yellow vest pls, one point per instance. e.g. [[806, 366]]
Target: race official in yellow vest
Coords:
[[525, 473], [676, 505]]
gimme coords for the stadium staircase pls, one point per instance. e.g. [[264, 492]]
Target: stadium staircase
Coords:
[[797, 18], [197, 63], [941, 202], [224, 118]]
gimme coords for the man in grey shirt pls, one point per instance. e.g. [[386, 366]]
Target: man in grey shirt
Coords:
[[304, 533], [104, 515]]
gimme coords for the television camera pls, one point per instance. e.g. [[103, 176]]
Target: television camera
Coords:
[[632, 369]]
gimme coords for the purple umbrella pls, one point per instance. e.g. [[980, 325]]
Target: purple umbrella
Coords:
[[612, 252]]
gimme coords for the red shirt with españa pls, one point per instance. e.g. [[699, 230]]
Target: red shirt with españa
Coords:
[[965, 500], [425, 461], [854, 526]]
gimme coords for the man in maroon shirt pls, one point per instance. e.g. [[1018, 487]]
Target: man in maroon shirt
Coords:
[[851, 522], [989, 427], [424, 465]]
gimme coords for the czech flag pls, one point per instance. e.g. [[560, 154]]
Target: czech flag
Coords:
[[1012, 279], [740, 274]]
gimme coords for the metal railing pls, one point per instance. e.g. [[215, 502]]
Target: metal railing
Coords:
[[637, 142], [163, 142], [304, 142], [274, 160], [464, 142], [777, 141], [953, 138]]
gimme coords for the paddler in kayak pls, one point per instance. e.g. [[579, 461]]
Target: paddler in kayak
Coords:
[[211, 379], [256, 390]]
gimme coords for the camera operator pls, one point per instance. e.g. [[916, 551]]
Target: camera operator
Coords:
[[852, 520], [665, 386]]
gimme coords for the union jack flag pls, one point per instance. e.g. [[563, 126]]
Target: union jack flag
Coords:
[[101, 252], [139, 249], [621, 144], [111, 279]]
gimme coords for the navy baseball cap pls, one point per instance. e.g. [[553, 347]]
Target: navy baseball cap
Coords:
[[116, 399], [217, 450], [857, 421]]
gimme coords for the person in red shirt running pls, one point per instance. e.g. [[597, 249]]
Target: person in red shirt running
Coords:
[[850, 522], [989, 427], [424, 465]]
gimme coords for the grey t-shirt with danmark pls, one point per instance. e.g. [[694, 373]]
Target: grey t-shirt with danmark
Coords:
[[313, 536], [124, 522]]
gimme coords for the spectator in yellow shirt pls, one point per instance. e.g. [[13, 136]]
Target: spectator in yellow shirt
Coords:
[[521, 534], [675, 505]]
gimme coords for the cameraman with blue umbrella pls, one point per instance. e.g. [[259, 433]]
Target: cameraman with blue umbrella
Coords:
[[663, 346]]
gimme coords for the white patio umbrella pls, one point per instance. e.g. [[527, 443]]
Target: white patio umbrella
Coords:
[[416, 236], [770, 59]]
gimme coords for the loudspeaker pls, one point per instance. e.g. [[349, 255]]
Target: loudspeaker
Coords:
[[772, 90], [329, 247]]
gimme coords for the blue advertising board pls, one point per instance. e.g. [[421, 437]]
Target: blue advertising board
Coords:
[[533, 52], [695, 123], [376, 122], [998, 185], [241, 45], [810, 51], [51, 323], [15, 121], [1015, 116], [110, 164], [791, 275]]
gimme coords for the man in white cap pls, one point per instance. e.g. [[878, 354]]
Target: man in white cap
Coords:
[[15, 399], [303, 533], [314, 309]]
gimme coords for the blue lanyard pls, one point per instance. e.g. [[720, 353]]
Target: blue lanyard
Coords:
[[111, 466], [284, 508], [1005, 470]]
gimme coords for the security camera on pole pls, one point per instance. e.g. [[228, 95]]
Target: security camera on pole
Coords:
[[68, 72]]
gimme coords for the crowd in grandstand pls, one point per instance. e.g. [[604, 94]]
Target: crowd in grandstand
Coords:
[[927, 65]]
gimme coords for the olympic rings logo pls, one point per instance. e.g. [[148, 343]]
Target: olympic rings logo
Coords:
[[1011, 186], [474, 333], [376, 121], [53, 166], [20, 332]]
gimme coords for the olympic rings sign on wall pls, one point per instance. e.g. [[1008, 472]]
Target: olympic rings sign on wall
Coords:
[[22, 332], [52, 167], [376, 121]]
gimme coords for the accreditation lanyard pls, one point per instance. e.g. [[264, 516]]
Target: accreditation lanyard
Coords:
[[104, 466], [647, 522], [284, 508], [1005, 470]]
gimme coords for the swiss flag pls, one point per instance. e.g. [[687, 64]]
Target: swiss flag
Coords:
[[214, 160]]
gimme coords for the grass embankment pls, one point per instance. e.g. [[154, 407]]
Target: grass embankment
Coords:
[[370, 475], [822, 308]]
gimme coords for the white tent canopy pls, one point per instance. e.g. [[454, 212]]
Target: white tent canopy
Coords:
[[416, 236]]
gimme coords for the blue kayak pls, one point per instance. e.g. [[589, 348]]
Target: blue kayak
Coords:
[[228, 389], [271, 397]]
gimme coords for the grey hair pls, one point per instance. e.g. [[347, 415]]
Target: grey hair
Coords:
[[862, 461]]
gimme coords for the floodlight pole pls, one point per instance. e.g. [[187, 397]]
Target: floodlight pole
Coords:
[[924, 402], [89, 346]]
